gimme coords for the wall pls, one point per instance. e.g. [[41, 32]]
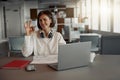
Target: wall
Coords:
[[22, 18], [0, 21], [27, 6], [26, 11]]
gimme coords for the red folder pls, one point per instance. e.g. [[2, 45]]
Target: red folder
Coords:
[[16, 64]]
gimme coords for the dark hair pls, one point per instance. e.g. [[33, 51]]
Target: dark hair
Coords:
[[49, 14]]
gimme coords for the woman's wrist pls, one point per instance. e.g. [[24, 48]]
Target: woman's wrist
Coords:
[[28, 33]]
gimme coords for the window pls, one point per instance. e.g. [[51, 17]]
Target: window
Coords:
[[95, 14], [116, 19], [104, 15]]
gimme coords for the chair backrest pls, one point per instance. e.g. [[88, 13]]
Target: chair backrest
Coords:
[[66, 32], [15, 43], [110, 45], [94, 40]]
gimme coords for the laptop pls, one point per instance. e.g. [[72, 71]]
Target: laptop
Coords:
[[72, 55]]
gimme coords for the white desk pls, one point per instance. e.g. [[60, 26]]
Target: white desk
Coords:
[[76, 35], [90, 34]]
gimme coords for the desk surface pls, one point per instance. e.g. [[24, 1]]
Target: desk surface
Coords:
[[90, 34], [105, 67]]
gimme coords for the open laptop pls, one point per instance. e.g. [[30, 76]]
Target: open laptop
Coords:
[[72, 55]]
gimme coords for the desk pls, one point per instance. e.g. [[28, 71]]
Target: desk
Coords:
[[77, 35], [105, 67], [90, 34]]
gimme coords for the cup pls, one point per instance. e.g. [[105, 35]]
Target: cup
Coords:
[[34, 23], [92, 57]]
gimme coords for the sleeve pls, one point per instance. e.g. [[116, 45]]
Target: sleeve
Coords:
[[27, 48], [61, 39]]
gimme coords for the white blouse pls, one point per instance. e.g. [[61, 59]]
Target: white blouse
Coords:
[[42, 46]]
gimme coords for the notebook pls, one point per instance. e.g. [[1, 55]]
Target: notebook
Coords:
[[72, 55], [16, 64]]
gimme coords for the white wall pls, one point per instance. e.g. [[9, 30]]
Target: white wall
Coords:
[[26, 11], [27, 6], [0, 22], [22, 17]]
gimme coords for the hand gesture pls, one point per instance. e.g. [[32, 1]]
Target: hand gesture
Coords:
[[28, 27]]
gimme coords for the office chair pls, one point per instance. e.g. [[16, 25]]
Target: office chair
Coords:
[[110, 45], [15, 44], [70, 34], [66, 33], [95, 42]]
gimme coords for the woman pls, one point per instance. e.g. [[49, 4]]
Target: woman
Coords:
[[45, 41]]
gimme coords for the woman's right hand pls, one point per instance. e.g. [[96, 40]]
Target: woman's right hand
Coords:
[[28, 27]]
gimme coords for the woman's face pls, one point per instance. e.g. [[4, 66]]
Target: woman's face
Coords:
[[44, 21]]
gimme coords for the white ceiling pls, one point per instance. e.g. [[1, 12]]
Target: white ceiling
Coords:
[[58, 1], [47, 1]]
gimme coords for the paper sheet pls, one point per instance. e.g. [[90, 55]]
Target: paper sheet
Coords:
[[45, 59]]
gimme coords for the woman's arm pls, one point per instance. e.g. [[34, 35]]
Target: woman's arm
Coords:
[[27, 49]]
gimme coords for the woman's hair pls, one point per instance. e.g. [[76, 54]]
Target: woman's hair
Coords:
[[49, 14]]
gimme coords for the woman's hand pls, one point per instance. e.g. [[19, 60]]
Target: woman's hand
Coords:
[[28, 27]]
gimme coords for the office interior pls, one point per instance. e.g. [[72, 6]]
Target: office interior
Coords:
[[95, 20], [78, 21]]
